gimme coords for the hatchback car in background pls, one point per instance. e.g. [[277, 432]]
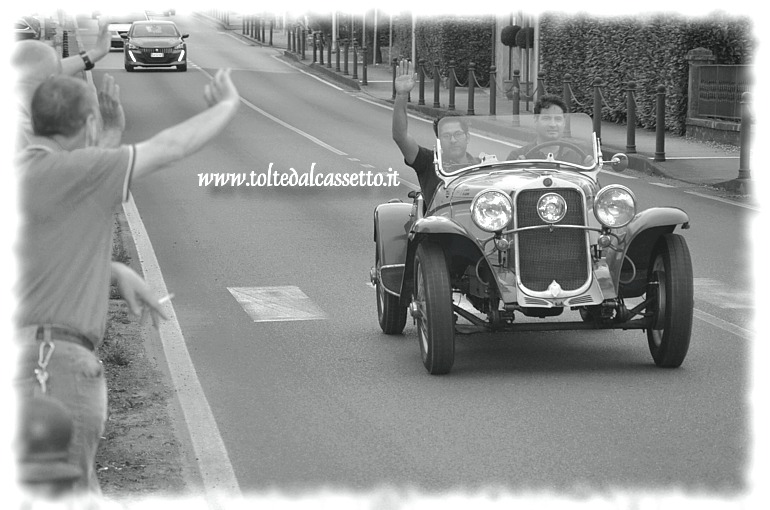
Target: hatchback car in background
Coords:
[[120, 24], [155, 43]]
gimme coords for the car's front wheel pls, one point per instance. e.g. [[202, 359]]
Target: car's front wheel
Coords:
[[670, 290], [129, 69], [181, 68], [433, 308]]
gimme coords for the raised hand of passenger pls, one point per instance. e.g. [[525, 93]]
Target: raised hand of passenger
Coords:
[[405, 80]]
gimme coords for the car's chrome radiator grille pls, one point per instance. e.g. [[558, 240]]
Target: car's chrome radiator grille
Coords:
[[547, 255]]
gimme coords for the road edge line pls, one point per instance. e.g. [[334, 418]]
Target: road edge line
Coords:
[[213, 461]]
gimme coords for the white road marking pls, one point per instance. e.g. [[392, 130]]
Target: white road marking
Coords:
[[725, 326], [286, 124], [718, 294], [210, 452], [276, 304], [239, 39], [616, 174], [308, 74], [724, 200], [662, 185]]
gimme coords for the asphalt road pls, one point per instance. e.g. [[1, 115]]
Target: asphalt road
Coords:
[[330, 401]]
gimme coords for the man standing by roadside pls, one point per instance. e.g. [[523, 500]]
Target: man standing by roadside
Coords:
[[34, 61], [69, 189]]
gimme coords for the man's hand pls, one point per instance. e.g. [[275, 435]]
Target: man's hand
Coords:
[[221, 89], [103, 40], [136, 292], [404, 79], [109, 105]]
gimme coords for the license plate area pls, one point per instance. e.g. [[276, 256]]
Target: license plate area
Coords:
[[156, 55]]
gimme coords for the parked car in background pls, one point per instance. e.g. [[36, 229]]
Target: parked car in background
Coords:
[[155, 43]]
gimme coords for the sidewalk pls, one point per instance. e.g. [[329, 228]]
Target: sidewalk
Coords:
[[686, 159]]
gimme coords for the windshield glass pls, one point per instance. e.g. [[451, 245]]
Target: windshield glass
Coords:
[[544, 140], [153, 30]]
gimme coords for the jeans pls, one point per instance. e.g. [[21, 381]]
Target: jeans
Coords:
[[76, 378]]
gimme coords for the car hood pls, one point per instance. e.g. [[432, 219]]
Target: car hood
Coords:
[[156, 42], [467, 186]]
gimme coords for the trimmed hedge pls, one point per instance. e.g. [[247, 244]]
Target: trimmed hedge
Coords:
[[444, 38], [649, 50]]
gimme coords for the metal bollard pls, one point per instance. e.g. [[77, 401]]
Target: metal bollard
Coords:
[[660, 124], [597, 84], [303, 41], [363, 68], [271, 33], [394, 65], [315, 47], [436, 85], [540, 90], [516, 92], [345, 43], [421, 65], [471, 88], [744, 171], [631, 118], [321, 48], [566, 91], [262, 29], [452, 78], [355, 59], [329, 53], [492, 90], [337, 56]]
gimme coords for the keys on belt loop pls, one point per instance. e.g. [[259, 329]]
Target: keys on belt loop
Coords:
[[44, 357]]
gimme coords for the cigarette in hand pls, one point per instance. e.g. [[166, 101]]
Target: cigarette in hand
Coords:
[[167, 297]]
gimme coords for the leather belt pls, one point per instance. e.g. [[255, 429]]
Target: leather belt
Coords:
[[64, 334]]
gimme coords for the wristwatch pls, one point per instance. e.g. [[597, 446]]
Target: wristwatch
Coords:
[[86, 60]]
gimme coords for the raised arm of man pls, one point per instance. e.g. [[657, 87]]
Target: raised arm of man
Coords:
[[404, 84], [83, 62], [187, 137]]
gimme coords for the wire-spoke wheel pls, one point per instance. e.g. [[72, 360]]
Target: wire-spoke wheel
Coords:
[[670, 289], [433, 305]]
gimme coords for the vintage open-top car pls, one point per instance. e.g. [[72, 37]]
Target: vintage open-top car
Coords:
[[532, 233]]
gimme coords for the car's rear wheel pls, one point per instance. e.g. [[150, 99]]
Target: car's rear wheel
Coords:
[[181, 68], [670, 288], [391, 315], [433, 308]]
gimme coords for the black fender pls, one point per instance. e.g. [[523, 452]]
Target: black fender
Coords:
[[392, 224], [628, 265], [460, 247]]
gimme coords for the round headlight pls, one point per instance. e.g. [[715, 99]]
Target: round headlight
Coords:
[[615, 206], [551, 208], [492, 210]]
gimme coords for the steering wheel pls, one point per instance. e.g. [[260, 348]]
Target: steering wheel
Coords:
[[562, 144]]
